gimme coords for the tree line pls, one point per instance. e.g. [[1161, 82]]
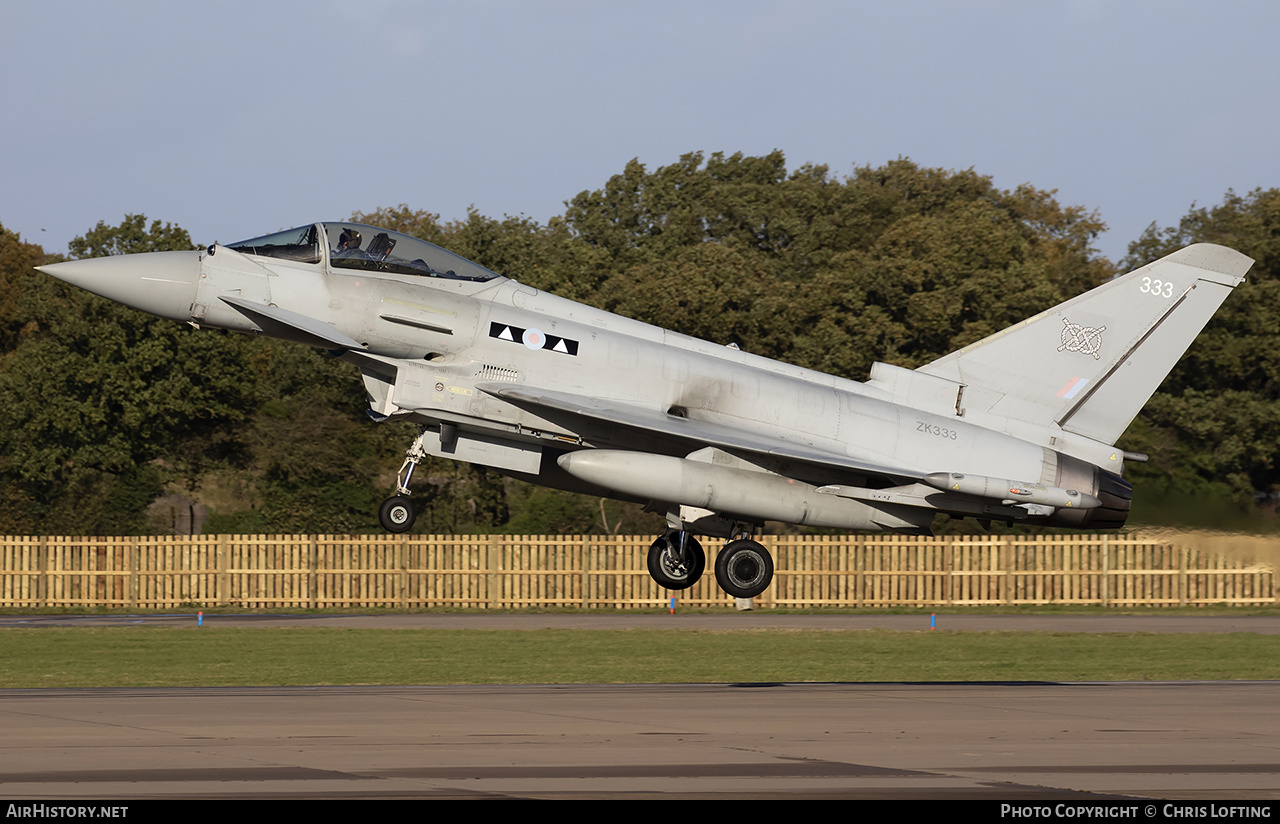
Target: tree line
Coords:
[[116, 422]]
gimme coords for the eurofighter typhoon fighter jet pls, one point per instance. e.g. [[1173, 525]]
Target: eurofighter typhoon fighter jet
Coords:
[[1020, 426]]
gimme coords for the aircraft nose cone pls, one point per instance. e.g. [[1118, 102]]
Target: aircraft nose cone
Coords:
[[162, 283]]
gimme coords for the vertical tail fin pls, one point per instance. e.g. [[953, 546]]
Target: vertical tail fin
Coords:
[[1091, 363]]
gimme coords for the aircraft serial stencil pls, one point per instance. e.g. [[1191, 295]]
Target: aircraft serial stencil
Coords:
[[1020, 426]]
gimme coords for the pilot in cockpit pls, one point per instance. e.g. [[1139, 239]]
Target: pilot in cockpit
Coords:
[[348, 243]]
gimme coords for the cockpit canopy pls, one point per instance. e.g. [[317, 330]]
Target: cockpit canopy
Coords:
[[356, 246]]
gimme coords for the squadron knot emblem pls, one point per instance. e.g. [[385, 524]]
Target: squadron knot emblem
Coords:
[[1077, 338]]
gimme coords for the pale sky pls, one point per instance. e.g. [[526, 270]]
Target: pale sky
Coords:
[[234, 119]]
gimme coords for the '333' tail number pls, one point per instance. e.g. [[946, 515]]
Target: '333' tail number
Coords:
[[1157, 287]]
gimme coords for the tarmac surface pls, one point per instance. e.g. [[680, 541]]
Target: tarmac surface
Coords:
[[1020, 742]]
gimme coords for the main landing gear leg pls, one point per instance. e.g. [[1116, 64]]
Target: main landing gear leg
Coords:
[[396, 513], [744, 568], [676, 560]]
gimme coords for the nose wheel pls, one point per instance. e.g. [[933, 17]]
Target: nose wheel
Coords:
[[396, 514]]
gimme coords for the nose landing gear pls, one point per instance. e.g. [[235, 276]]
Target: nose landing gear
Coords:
[[397, 513]]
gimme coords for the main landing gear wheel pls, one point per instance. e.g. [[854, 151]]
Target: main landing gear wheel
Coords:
[[675, 566], [396, 514], [744, 568]]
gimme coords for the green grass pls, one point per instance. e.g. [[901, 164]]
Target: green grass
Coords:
[[165, 656]]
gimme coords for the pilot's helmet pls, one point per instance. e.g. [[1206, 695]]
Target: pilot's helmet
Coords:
[[349, 239]]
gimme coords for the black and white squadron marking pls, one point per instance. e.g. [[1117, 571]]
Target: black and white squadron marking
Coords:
[[533, 338]]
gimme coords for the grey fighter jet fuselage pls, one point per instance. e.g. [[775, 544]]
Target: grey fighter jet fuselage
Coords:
[[1018, 427]]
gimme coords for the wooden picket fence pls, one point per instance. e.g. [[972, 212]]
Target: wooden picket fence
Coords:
[[609, 572]]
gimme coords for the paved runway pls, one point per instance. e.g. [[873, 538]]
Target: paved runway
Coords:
[[1205, 741], [1023, 742]]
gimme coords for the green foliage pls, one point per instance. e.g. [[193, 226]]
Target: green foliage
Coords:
[[311, 469], [458, 498], [542, 511], [238, 522], [126, 388], [306, 458], [130, 237], [1213, 430], [17, 259], [94, 392], [900, 263], [102, 407]]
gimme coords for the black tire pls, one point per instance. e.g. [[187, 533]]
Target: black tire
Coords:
[[744, 569], [397, 514], [672, 575]]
